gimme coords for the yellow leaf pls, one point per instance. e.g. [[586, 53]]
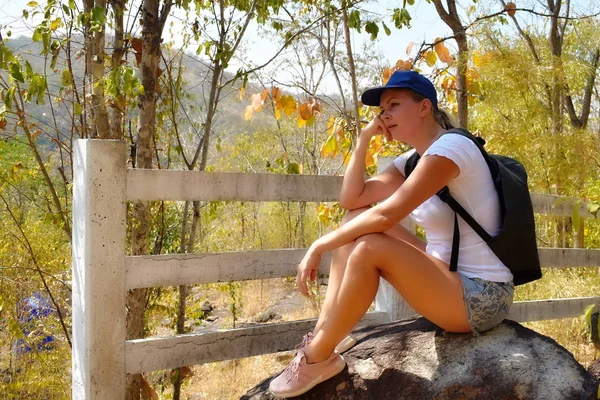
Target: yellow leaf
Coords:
[[323, 213], [376, 143], [439, 45], [257, 102], [346, 154], [369, 160], [444, 55], [477, 58], [263, 95], [386, 75], [301, 122], [241, 95], [338, 128], [409, 48], [55, 24], [248, 113], [404, 65], [330, 147], [288, 104], [431, 58], [277, 114], [330, 125], [276, 93]]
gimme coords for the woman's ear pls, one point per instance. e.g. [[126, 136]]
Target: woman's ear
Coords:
[[426, 107]]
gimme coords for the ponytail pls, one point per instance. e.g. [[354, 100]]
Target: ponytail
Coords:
[[444, 119]]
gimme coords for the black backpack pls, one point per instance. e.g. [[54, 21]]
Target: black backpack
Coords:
[[516, 244]]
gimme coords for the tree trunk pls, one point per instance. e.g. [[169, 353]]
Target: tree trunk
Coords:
[[88, 77], [351, 69], [116, 123], [136, 299], [461, 81], [98, 106], [555, 41], [452, 19]]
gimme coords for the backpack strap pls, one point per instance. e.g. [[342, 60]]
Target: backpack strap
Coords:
[[444, 195]]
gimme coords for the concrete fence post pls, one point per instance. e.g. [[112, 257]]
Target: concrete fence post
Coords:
[[388, 299], [99, 227]]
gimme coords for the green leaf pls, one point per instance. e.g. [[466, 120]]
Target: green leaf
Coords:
[[25, 14], [586, 317], [593, 208], [411, 2], [354, 20], [98, 19], [401, 18], [387, 30], [28, 68], [66, 78], [55, 47], [77, 109], [32, 4], [14, 328], [293, 168], [37, 36], [15, 72], [372, 28]]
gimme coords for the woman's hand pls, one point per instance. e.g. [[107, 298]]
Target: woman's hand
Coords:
[[307, 269], [376, 127]]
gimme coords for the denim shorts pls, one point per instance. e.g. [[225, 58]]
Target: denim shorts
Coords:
[[487, 302]]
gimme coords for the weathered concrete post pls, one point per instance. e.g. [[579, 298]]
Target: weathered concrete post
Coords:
[[388, 299], [99, 227]]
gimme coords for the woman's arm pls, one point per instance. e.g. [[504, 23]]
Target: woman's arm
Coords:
[[431, 174], [356, 193]]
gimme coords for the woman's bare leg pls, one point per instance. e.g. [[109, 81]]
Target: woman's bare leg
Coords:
[[340, 258], [423, 281]]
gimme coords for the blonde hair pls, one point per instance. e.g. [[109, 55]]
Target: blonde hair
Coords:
[[443, 117]]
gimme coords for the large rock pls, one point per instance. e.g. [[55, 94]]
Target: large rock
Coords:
[[415, 360], [594, 369]]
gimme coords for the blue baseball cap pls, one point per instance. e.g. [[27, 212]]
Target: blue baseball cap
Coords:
[[402, 79]]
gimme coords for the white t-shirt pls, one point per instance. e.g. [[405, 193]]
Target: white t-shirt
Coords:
[[475, 192]]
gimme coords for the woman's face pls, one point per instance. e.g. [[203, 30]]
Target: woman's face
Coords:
[[402, 115]]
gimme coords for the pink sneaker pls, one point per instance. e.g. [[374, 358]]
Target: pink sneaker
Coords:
[[299, 377], [347, 343]]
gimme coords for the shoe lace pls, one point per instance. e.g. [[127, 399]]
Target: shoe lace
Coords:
[[306, 339], [291, 372]]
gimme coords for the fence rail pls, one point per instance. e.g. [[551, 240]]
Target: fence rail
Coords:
[[102, 273]]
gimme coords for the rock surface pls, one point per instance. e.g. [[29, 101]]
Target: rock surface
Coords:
[[594, 369], [415, 360]]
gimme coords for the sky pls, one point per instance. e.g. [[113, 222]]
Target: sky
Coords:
[[426, 26]]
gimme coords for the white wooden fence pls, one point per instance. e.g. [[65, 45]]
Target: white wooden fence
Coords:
[[102, 273]]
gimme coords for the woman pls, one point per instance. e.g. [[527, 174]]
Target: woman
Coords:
[[371, 244]]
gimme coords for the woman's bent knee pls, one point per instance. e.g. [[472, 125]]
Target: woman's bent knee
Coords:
[[366, 246]]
